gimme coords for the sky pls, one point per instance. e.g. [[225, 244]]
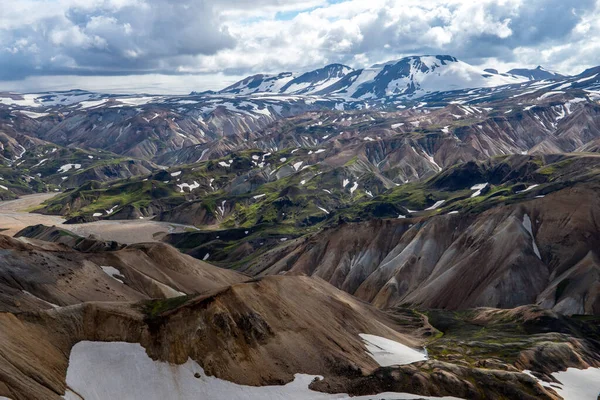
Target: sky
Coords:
[[176, 46]]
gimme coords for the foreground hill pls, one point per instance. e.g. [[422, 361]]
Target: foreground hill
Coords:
[[261, 332], [41, 275]]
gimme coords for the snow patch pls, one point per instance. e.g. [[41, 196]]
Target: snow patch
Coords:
[[222, 208], [388, 352], [575, 384], [528, 189], [34, 115], [112, 272], [479, 187], [68, 167], [119, 370], [191, 187], [528, 227], [436, 205], [324, 210], [111, 210]]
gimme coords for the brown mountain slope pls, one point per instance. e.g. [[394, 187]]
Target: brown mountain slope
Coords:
[[252, 333], [255, 333], [504, 257], [39, 275]]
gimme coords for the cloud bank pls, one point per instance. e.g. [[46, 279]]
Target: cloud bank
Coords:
[[96, 38]]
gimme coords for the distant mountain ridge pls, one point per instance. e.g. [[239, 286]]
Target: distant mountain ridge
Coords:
[[536, 74], [412, 76]]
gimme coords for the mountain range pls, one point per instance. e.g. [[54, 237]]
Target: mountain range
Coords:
[[410, 76], [416, 229]]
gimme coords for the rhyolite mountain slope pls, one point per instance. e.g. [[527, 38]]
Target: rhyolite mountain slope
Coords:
[[272, 221], [501, 216], [41, 275]]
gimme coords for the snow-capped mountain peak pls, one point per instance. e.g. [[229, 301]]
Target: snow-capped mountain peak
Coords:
[[317, 80], [410, 76], [260, 83], [291, 83], [418, 75]]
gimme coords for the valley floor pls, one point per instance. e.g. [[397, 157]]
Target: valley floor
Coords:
[[14, 216]]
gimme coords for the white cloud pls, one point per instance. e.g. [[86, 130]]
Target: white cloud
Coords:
[[238, 37]]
